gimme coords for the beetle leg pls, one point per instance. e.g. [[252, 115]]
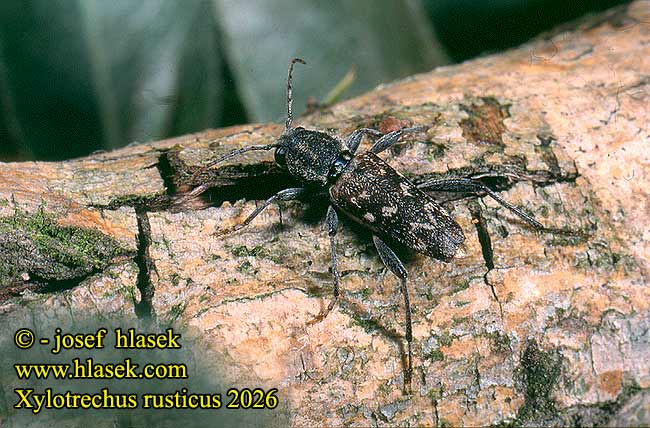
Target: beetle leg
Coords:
[[353, 141], [282, 195], [483, 234], [391, 138], [472, 186], [392, 262], [332, 224], [332, 221]]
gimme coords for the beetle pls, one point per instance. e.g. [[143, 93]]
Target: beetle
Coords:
[[368, 190]]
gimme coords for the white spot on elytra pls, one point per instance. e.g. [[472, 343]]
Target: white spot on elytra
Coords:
[[428, 226], [388, 211], [432, 207], [405, 189], [369, 217]]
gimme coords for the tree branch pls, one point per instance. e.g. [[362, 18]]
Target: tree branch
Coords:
[[560, 127]]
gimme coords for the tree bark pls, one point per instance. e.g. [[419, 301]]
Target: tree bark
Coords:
[[557, 332]]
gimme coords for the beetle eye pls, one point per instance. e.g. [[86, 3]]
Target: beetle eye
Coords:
[[280, 156]]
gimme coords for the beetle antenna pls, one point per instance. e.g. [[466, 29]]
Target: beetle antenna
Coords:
[[205, 186], [287, 124], [238, 152]]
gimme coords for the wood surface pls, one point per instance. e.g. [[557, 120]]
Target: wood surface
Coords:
[[558, 332]]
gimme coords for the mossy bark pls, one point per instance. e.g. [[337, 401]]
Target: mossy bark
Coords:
[[543, 327]]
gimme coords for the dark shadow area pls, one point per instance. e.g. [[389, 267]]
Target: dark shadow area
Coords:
[[191, 392], [471, 28]]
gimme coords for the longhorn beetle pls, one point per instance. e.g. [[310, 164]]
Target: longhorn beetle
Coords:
[[368, 190]]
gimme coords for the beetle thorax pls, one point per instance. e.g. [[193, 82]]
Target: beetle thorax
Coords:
[[310, 156]]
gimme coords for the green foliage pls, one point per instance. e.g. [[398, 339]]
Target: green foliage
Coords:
[[83, 75]]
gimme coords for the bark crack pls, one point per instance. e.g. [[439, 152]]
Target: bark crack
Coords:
[[144, 308]]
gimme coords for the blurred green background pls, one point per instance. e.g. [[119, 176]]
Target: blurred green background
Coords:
[[77, 76]]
